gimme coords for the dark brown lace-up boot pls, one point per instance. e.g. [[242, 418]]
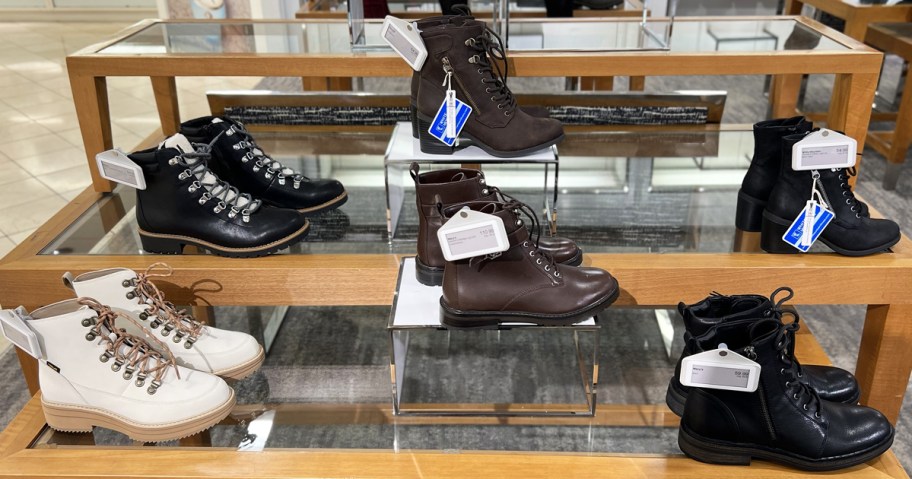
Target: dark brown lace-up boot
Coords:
[[523, 284], [471, 53], [437, 190]]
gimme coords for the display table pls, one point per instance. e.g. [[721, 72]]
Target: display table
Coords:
[[348, 259], [895, 38], [858, 14]]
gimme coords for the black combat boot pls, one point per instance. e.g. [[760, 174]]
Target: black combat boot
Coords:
[[185, 203], [237, 159], [702, 319], [470, 52], [784, 420], [852, 232], [764, 169], [440, 189]]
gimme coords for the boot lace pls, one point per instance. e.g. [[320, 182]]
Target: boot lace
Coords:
[[490, 46], [128, 350], [226, 195], [261, 161], [804, 395], [165, 312], [857, 206]]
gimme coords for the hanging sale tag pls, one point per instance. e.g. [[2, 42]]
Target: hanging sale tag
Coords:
[[808, 226], [14, 327], [472, 233], [116, 166], [405, 40], [824, 149], [720, 369]]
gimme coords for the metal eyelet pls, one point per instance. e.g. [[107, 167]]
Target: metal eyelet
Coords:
[[857, 215], [484, 191], [184, 175], [140, 380], [788, 384], [117, 365], [154, 387], [852, 209], [499, 106], [783, 358], [90, 336], [845, 193], [106, 356], [487, 90], [166, 330], [203, 199], [221, 206], [173, 161], [87, 322], [128, 373], [531, 253], [547, 267], [848, 201], [480, 72], [556, 274], [131, 294], [841, 177], [782, 371], [805, 406], [508, 113], [144, 316], [538, 261], [817, 414], [189, 343], [843, 185], [177, 337], [155, 324], [127, 283], [779, 344], [519, 222], [525, 244], [795, 396]]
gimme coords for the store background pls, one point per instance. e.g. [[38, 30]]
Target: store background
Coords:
[[42, 162]]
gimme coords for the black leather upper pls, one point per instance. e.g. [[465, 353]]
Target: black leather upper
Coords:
[[743, 311], [780, 414], [167, 206], [235, 161]]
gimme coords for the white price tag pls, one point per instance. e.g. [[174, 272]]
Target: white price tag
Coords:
[[405, 40], [116, 166], [720, 369], [823, 149], [17, 331], [472, 233]]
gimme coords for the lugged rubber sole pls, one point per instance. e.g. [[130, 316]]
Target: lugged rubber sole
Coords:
[[775, 227], [73, 418], [459, 319], [720, 452], [174, 244], [243, 371]]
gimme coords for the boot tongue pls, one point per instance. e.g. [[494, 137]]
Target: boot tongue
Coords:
[[203, 174]]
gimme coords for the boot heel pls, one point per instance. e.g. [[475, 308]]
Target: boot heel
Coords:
[[705, 452], [771, 234], [429, 144], [453, 320], [154, 244], [61, 419], [413, 116], [749, 213], [428, 275]]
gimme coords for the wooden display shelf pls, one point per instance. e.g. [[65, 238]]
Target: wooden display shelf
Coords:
[[24, 450]]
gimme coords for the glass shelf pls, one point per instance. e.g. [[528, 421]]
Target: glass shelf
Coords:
[[619, 192], [326, 37]]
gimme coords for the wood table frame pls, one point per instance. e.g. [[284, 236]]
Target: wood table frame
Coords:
[[893, 145], [881, 281], [857, 17]]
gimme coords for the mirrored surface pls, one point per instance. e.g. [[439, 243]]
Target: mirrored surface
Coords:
[[333, 37], [646, 191]]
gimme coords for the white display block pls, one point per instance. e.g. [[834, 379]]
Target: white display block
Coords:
[[403, 149], [416, 310]]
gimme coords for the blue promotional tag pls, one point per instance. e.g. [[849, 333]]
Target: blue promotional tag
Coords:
[[438, 127], [808, 226]]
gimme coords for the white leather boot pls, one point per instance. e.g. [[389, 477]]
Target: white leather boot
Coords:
[[94, 374], [229, 354]]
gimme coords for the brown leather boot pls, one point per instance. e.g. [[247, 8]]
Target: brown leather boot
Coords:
[[437, 190], [497, 125], [522, 284]]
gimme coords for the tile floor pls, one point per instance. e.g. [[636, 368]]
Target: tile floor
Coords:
[[42, 161]]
